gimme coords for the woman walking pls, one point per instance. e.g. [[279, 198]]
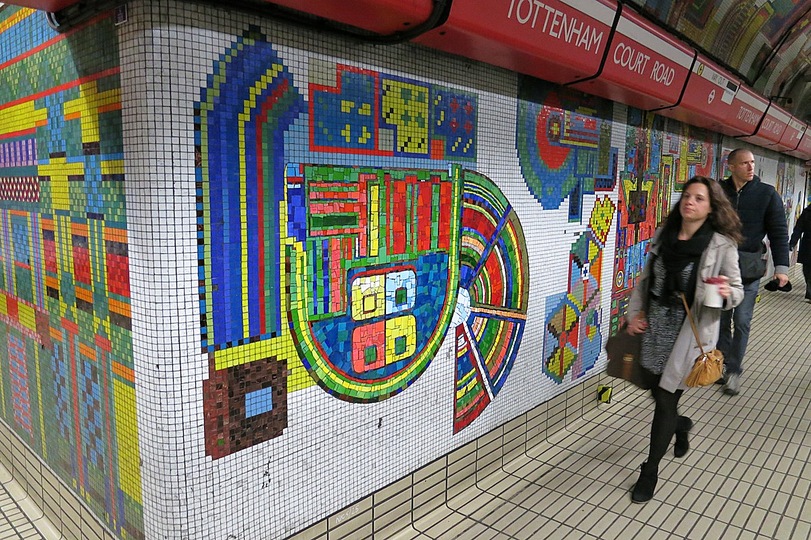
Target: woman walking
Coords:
[[698, 241]]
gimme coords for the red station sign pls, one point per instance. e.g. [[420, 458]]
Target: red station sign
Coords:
[[791, 136], [551, 40], [803, 151], [708, 99], [380, 16], [748, 109], [644, 68], [771, 127]]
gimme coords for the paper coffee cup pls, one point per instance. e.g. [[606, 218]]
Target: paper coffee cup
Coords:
[[712, 298]]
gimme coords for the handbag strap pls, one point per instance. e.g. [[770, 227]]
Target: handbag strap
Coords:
[[692, 323]]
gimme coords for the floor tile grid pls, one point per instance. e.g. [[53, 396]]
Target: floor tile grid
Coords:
[[536, 482], [513, 502], [760, 491], [532, 488], [759, 458], [14, 523]]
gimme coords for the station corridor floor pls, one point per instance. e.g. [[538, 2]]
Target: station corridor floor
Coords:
[[747, 475], [19, 518]]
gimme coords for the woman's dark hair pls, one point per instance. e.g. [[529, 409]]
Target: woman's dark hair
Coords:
[[723, 218]]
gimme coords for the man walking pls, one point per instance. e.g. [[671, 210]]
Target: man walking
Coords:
[[761, 211]]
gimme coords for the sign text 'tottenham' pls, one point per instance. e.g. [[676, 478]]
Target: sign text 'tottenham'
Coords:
[[748, 115], [556, 23]]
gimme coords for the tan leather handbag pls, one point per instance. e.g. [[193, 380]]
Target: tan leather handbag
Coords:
[[709, 366]]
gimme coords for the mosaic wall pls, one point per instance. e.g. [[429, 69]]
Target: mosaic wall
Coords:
[[789, 179], [661, 155], [352, 275], [741, 33], [67, 387], [362, 230], [393, 252], [792, 60], [563, 140]]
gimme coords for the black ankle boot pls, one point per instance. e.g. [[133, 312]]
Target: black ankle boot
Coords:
[[683, 427], [646, 485]]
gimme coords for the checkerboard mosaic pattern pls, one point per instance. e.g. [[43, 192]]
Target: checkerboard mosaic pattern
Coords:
[[68, 388]]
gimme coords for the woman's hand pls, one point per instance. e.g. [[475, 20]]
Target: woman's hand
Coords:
[[638, 325], [723, 287], [721, 284]]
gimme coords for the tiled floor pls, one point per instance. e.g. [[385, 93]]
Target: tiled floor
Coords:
[[15, 524], [747, 475]]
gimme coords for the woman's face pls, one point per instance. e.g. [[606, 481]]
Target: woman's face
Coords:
[[695, 203]]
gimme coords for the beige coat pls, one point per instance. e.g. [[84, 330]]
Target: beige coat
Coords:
[[720, 258]]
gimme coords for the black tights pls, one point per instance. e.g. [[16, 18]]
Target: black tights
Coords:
[[665, 421]]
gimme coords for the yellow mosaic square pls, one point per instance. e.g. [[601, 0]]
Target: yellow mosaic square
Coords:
[[401, 338], [368, 297]]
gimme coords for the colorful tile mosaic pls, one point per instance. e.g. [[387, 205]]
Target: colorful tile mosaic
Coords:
[[573, 339], [661, 155], [348, 275], [359, 111], [564, 147], [493, 294], [68, 389], [358, 237], [245, 403], [396, 282]]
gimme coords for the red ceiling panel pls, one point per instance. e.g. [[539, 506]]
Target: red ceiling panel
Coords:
[[803, 151], [44, 5], [771, 128], [709, 100], [380, 16], [748, 109], [645, 67], [791, 136], [553, 40]]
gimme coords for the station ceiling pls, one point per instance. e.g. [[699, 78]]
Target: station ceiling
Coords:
[[768, 44]]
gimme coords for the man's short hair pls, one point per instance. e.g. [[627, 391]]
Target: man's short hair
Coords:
[[734, 154]]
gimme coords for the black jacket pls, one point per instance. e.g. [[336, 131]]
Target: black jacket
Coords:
[[761, 211], [803, 229]]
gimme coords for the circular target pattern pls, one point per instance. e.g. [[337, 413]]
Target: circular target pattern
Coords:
[[492, 301]]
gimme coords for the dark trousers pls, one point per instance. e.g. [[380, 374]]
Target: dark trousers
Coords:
[[666, 421], [807, 276]]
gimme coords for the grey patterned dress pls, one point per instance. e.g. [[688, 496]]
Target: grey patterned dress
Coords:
[[665, 318]]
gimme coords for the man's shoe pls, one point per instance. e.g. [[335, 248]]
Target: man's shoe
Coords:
[[722, 380], [733, 386]]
